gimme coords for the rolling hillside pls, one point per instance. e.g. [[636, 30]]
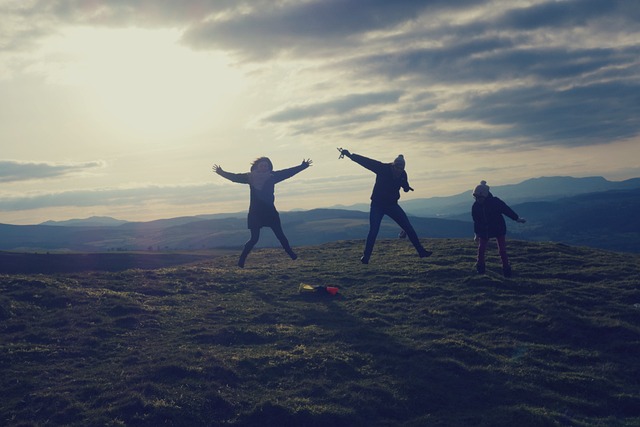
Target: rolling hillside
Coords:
[[603, 220], [406, 341], [302, 228]]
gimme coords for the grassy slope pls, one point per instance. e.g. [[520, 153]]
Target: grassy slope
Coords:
[[407, 342]]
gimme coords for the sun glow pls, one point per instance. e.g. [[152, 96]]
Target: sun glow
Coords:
[[144, 80]]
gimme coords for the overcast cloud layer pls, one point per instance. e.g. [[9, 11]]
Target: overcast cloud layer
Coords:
[[440, 76]]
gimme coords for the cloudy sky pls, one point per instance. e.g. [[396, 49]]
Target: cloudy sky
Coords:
[[120, 108]]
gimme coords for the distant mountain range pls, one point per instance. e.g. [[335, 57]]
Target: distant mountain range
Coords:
[[535, 189], [597, 213]]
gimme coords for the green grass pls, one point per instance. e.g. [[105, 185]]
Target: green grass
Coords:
[[407, 341]]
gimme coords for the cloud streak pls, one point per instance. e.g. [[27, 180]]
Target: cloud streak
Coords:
[[12, 171], [114, 197]]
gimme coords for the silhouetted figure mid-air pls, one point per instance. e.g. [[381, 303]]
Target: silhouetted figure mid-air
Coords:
[[262, 210]]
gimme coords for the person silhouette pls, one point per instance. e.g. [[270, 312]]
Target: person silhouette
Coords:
[[488, 222], [262, 210], [390, 177]]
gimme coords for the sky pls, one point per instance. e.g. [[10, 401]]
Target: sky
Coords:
[[120, 108]]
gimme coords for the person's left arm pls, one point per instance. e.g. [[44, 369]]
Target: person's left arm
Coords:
[[405, 183], [283, 174], [505, 209]]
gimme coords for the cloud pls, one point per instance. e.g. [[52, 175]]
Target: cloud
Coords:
[[463, 73], [174, 195], [308, 28], [576, 116], [573, 13], [11, 171], [495, 59], [524, 75], [335, 107], [220, 192]]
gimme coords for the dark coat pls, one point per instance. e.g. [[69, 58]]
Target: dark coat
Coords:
[[389, 180], [488, 221], [262, 209]]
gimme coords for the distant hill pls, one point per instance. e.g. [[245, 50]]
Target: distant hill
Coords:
[[302, 228], [94, 221], [607, 220], [599, 219], [604, 220], [536, 189], [531, 190]]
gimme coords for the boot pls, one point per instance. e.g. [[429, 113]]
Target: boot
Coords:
[[424, 253]]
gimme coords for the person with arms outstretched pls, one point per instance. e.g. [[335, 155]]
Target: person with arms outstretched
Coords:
[[488, 222], [390, 177], [262, 210]]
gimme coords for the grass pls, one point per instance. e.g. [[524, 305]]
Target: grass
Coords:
[[406, 342]]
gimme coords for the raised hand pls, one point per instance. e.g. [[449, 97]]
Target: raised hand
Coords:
[[217, 169], [343, 152], [306, 162]]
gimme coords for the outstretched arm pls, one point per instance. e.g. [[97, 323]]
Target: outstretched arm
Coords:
[[234, 177], [511, 213], [281, 175], [373, 165]]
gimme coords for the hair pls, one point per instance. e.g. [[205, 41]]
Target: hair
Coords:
[[254, 165]]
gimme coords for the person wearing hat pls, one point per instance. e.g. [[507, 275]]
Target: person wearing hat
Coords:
[[390, 177], [262, 210], [488, 222]]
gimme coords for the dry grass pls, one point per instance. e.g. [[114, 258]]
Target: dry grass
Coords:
[[407, 341]]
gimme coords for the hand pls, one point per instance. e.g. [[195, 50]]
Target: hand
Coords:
[[344, 152], [475, 237], [306, 162], [521, 220], [217, 169]]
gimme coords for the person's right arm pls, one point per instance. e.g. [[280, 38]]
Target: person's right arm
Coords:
[[241, 178], [371, 164]]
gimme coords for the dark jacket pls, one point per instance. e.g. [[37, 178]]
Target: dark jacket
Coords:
[[488, 221], [262, 210], [389, 180]]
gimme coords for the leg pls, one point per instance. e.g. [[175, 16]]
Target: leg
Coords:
[[277, 230], [502, 250], [482, 249], [400, 217], [375, 218], [255, 235]]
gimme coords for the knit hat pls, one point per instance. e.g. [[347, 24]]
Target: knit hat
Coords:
[[399, 161], [482, 189]]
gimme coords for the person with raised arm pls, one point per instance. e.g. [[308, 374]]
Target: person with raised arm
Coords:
[[390, 178], [262, 210]]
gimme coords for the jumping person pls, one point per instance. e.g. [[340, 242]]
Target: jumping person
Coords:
[[390, 177], [488, 223], [262, 210]]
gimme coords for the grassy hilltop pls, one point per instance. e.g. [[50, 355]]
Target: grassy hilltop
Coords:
[[406, 342]]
